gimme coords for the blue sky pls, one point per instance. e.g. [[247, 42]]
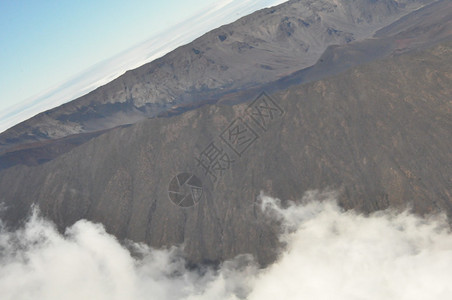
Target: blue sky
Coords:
[[48, 46], [45, 42]]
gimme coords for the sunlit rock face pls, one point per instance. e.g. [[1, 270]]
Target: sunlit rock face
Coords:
[[264, 46]]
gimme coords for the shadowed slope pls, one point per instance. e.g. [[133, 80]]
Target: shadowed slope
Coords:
[[379, 133]]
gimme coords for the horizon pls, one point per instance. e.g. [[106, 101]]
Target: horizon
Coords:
[[84, 75]]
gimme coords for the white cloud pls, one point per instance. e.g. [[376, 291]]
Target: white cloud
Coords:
[[219, 13], [334, 254], [329, 254]]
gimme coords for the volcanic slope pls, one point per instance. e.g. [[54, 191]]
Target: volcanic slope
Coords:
[[379, 134]]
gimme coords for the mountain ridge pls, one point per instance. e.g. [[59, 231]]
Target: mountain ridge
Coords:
[[294, 30], [334, 59]]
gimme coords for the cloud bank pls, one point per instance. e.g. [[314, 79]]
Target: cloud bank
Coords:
[[329, 254]]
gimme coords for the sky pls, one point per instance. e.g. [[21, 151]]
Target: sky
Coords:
[[54, 51], [329, 253]]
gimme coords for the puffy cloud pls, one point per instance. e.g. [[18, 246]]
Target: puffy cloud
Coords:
[[333, 254], [329, 254]]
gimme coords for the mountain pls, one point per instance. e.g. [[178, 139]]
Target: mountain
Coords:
[[373, 125], [404, 34], [380, 133], [262, 47]]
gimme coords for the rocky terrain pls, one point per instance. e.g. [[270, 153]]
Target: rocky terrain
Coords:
[[379, 133], [370, 120]]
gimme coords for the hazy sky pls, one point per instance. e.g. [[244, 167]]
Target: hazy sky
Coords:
[[53, 51]]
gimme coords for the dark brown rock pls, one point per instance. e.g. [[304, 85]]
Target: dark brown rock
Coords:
[[379, 133]]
